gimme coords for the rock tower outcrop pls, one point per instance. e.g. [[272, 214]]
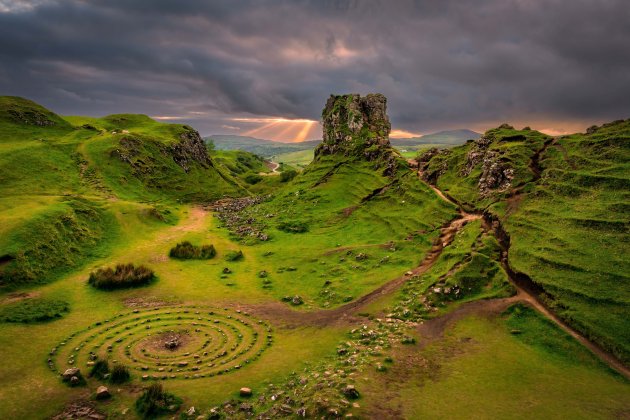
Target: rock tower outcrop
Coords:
[[357, 126]]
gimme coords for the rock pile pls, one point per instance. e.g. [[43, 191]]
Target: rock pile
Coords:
[[172, 343], [232, 215]]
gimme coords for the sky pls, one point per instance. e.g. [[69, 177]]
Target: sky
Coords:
[[265, 68]]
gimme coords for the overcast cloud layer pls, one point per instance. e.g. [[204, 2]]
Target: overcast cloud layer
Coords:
[[557, 65]]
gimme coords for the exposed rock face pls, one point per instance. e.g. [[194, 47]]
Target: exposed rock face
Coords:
[[357, 126], [31, 117], [191, 148], [496, 172], [428, 174]]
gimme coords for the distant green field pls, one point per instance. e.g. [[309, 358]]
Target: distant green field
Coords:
[[299, 159]]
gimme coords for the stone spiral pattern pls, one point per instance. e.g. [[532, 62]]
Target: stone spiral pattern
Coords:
[[214, 342]]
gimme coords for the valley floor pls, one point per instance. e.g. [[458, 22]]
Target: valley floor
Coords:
[[492, 358]]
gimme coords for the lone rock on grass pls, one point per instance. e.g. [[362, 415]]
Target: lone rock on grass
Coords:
[[246, 392], [102, 393]]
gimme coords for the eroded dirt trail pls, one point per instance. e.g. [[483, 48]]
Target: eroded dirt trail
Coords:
[[527, 291], [347, 312]]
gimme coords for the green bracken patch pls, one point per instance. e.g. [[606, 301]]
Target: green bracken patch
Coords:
[[187, 251], [120, 277]]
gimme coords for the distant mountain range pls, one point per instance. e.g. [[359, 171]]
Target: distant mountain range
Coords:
[[449, 137], [268, 148]]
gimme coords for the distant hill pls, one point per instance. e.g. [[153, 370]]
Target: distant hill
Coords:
[[449, 137], [269, 148], [261, 147]]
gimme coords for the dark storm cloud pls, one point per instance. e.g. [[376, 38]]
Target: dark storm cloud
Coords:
[[441, 63]]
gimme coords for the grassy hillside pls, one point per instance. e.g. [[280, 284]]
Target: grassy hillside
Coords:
[[335, 210], [563, 204], [61, 180]]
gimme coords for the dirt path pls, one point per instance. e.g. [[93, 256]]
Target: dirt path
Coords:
[[195, 221], [274, 166], [347, 313]]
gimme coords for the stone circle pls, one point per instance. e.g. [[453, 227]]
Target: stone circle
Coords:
[[209, 342]]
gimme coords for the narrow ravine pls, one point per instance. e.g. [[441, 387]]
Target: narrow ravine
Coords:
[[527, 290]]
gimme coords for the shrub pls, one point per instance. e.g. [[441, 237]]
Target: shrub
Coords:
[[187, 251], [288, 175], [154, 402], [124, 275], [119, 374], [234, 256], [253, 179], [100, 369], [34, 310], [293, 227]]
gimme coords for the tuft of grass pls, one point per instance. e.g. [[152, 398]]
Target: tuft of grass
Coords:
[[293, 226], [187, 251], [119, 374], [123, 276], [154, 402], [34, 310], [100, 369]]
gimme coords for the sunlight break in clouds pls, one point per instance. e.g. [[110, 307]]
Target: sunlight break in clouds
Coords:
[[401, 134], [281, 129]]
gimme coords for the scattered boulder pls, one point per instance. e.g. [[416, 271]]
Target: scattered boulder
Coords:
[[350, 392], [245, 392], [297, 300], [102, 393], [69, 373]]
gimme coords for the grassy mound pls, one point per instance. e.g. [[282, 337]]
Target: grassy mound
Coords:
[[187, 251], [62, 237], [34, 310], [123, 276]]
